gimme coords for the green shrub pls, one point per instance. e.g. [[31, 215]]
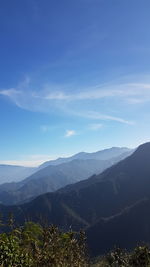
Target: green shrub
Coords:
[[117, 258], [139, 257], [34, 246]]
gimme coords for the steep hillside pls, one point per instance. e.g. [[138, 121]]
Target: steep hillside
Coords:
[[126, 229]]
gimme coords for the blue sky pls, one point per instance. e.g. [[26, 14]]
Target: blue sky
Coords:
[[74, 76]]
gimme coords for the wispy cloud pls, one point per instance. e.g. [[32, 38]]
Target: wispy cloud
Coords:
[[99, 116], [10, 92], [93, 115], [127, 90], [58, 99], [70, 133], [93, 93]]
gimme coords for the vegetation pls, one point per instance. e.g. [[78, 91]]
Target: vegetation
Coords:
[[34, 246], [139, 257]]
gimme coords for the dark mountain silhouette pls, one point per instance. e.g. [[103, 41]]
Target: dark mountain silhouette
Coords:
[[129, 228], [112, 207]]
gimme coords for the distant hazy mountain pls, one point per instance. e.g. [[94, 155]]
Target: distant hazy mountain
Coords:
[[105, 154], [112, 207], [53, 177], [9, 173], [50, 179]]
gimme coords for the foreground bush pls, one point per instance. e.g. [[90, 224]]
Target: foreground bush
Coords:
[[37, 246], [139, 257]]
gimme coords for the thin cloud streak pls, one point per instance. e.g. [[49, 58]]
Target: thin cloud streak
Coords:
[[98, 116], [97, 92], [10, 92], [56, 101]]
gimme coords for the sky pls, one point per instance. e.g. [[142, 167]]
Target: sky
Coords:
[[74, 76]]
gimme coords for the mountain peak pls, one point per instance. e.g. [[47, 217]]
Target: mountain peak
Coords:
[[143, 149], [144, 146]]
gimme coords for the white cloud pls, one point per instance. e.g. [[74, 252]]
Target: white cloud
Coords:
[[57, 99], [53, 93], [70, 133], [124, 90], [98, 116], [9, 92]]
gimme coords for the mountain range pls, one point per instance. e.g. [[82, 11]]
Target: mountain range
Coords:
[[112, 207], [54, 175], [105, 154]]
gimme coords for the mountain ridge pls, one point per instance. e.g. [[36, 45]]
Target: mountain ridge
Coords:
[[114, 151], [53, 177]]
